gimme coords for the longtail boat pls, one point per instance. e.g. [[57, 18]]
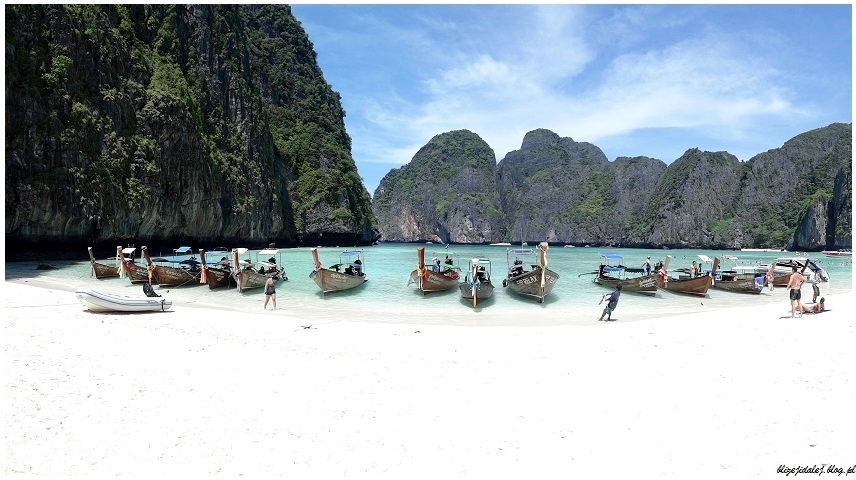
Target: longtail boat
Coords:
[[333, 279], [689, 285], [783, 268], [612, 272], [215, 276], [250, 275], [535, 283], [101, 270], [736, 278], [136, 273], [438, 278], [477, 285], [168, 276]]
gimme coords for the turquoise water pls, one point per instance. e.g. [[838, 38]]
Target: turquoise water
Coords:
[[386, 297]]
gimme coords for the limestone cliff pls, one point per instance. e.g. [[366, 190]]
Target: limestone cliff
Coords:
[[798, 196], [209, 124], [447, 193]]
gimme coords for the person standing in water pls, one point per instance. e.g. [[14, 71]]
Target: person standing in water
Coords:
[[270, 292]]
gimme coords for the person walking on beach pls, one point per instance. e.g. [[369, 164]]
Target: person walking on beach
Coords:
[[611, 304], [270, 292], [794, 285]]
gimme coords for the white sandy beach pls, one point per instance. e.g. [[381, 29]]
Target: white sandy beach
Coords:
[[197, 392]]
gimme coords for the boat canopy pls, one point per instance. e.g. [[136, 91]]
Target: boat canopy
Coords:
[[269, 251], [183, 250], [705, 258], [352, 253], [610, 256], [520, 251], [241, 250], [129, 250]]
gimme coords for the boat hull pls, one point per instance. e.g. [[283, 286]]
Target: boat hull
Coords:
[[529, 283], [690, 286], [740, 284], [97, 301], [249, 279], [645, 284], [484, 290], [104, 271], [101, 270], [175, 277], [137, 273], [218, 277], [330, 281], [432, 281]]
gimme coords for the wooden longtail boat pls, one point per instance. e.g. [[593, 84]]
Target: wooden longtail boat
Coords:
[[331, 279], [535, 283], [736, 278], [137, 273], [214, 276], [613, 272], [101, 270], [174, 277], [687, 285], [783, 268], [477, 285], [248, 277], [429, 280]]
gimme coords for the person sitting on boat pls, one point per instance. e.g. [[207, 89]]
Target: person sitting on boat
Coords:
[[358, 267], [435, 264], [448, 260], [517, 269], [272, 260], [349, 270], [262, 269], [480, 274]]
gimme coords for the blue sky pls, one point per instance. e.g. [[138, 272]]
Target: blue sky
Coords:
[[652, 80]]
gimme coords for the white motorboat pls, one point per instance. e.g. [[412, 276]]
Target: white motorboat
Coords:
[[107, 302]]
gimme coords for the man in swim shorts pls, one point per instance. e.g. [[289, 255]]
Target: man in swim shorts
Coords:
[[794, 285]]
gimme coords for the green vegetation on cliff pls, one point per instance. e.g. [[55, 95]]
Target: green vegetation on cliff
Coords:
[[167, 122]]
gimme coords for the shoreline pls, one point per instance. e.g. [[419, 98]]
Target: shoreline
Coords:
[[196, 391], [631, 308]]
